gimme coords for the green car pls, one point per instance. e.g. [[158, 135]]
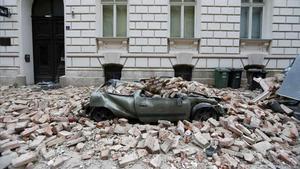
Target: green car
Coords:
[[107, 105]]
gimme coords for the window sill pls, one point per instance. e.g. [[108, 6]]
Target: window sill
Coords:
[[184, 45], [112, 39], [184, 39], [255, 45], [112, 44], [243, 41]]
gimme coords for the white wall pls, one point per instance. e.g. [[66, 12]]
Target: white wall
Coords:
[[286, 28], [220, 26], [26, 46], [148, 26], [9, 27]]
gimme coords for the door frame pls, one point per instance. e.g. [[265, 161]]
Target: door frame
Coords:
[[26, 39]]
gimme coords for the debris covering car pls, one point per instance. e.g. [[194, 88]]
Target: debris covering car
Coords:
[[139, 105]]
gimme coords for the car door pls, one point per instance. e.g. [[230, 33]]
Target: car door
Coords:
[[154, 109]]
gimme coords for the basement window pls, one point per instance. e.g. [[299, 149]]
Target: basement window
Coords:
[[184, 71], [112, 71], [4, 41]]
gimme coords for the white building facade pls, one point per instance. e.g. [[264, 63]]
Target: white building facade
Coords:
[[72, 41]]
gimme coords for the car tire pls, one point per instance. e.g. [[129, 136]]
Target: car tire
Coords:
[[205, 113], [101, 114]]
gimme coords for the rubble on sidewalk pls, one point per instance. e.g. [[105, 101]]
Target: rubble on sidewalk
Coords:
[[47, 128]]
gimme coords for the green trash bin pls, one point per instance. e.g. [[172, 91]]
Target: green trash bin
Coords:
[[235, 77], [221, 77]]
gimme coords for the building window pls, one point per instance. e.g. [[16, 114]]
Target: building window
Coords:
[[182, 19], [114, 18], [251, 19], [112, 71]]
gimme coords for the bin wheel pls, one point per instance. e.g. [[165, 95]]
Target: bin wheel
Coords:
[[101, 114], [205, 113]]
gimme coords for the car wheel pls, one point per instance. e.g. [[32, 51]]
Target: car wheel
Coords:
[[101, 114], [205, 113]]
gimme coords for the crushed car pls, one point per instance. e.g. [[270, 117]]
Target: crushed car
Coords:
[[137, 104]]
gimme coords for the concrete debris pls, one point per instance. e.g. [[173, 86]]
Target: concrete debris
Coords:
[[152, 144], [243, 129], [214, 122], [262, 135], [105, 154], [123, 121], [142, 152], [58, 161], [232, 152], [79, 146], [123, 161], [232, 162], [28, 131], [47, 155], [200, 140], [249, 157], [156, 161], [5, 160], [267, 90], [284, 156], [24, 159], [262, 147], [226, 142], [119, 129], [87, 155], [287, 110], [9, 145], [164, 123], [56, 141], [180, 128], [167, 145], [64, 133], [39, 128], [75, 141], [235, 130], [36, 142]]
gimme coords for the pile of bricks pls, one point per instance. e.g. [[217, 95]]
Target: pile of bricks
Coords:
[[160, 87], [176, 87], [44, 128], [32, 120]]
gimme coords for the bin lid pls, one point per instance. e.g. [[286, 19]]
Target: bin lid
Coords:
[[237, 69], [254, 67], [222, 69]]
